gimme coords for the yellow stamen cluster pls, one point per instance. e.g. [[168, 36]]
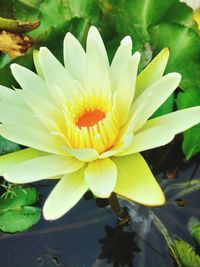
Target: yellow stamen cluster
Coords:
[[102, 131]]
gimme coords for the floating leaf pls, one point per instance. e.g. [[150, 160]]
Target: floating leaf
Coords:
[[194, 229], [191, 141], [7, 146], [16, 214], [186, 254]]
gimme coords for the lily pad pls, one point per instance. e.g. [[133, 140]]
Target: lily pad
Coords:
[[187, 254], [7, 146], [16, 214]]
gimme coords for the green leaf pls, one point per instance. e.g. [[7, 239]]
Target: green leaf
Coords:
[[56, 15], [191, 141], [15, 213], [194, 228], [134, 17], [184, 46], [196, 233], [7, 146], [184, 58], [187, 254]]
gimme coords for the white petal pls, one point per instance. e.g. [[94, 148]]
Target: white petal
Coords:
[[123, 144], [161, 130], [148, 139], [83, 154], [94, 36], [152, 72], [10, 113], [126, 88], [100, 176], [32, 137], [56, 75], [10, 160], [65, 195], [97, 68], [74, 57], [151, 99], [43, 108], [177, 121], [10, 96], [28, 80], [120, 61], [42, 168]]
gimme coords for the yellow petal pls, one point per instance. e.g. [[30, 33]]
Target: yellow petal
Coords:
[[74, 57], [120, 61], [100, 176], [12, 159], [136, 182], [65, 195], [152, 72], [42, 168], [151, 99]]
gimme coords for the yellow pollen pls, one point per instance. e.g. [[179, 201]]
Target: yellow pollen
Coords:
[[90, 117]]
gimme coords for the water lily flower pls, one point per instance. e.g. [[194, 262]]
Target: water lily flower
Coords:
[[86, 122]]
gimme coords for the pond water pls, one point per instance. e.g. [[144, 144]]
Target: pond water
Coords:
[[88, 235]]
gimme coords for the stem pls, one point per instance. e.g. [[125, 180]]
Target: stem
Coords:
[[119, 211], [16, 25]]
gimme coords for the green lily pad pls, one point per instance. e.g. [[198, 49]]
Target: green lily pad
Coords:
[[187, 254], [191, 141], [16, 214], [7, 146]]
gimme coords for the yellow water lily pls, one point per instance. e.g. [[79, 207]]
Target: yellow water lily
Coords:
[[86, 122]]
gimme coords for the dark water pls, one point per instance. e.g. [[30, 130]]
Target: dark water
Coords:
[[88, 235]]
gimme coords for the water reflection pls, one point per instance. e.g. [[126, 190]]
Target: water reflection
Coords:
[[88, 235], [119, 246]]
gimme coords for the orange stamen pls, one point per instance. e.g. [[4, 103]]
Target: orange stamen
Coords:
[[90, 118]]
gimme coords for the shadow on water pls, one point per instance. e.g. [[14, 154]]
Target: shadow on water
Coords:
[[89, 236]]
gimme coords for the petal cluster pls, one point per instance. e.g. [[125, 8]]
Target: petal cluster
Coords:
[[86, 122]]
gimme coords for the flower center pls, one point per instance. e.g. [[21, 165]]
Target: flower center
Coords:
[[90, 117]]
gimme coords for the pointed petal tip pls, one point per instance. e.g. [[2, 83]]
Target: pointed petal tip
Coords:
[[48, 216], [101, 194], [14, 67], [44, 51], [166, 51], [69, 36], [136, 56], [93, 31], [126, 41], [158, 201], [175, 75]]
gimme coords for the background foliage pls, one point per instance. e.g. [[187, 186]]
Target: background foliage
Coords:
[[153, 25]]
